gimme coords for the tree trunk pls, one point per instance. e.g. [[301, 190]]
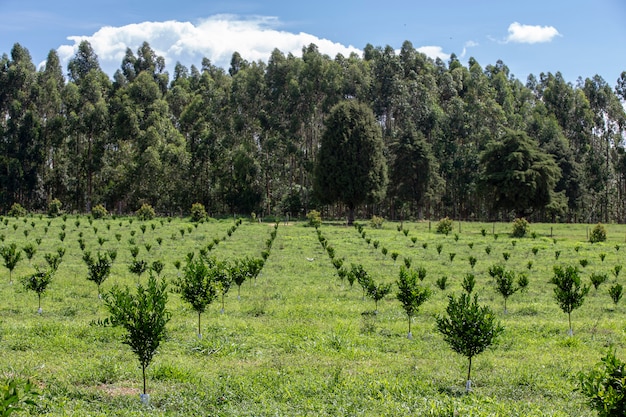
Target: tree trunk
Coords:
[[350, 214]]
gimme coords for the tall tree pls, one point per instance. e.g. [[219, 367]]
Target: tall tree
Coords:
[[351, 167], [518, 175]]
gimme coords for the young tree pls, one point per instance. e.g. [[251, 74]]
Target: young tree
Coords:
[[469, 329], [411, 294], [505, 284], [143, 316], [351, 166], [138, 267], [377, 292], [99, 269], [38, 282], [11, 256], [197, 286], [569, 292]]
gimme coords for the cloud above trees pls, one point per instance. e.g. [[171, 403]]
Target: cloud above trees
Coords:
[[519, 33], [215, 38]]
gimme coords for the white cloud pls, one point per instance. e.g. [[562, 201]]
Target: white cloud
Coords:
[[433, 52], [468, 44], [531, 34], [215, 38]]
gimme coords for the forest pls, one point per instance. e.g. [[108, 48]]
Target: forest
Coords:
[[461, 141]]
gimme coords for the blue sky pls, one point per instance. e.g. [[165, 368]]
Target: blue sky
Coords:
[[578, 38]]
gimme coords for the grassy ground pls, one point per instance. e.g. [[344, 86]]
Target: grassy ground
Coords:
[[300, 341]]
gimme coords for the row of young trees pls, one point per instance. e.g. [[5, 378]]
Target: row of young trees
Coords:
[[248, 139]]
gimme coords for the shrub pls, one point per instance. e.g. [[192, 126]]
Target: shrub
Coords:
[[315, 218], [444, 226], [377, 222], [54, 207], [604, 386], [598, 234], [198, 212], [98, 211], [520, 227], [145, 212], [17, 210]]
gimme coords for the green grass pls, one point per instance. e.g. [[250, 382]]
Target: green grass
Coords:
[[301, 342]]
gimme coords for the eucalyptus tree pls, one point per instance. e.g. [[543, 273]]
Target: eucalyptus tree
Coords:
[[88, 122], [21, 150], [351, 167]]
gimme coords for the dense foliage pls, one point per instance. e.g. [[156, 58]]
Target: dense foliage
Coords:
[[247, 139]]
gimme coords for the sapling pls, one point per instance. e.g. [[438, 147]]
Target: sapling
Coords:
[[222, 278], [38, 282], [360, 275], [616, 292], [29, 251], [410, 293], [616, 270], [569, 291], [377, 292], [598, 279], [469, 329], [505, 285], [469, 281], [442, 282], [197, 286], [157, 267], [99, 269], [11, 256], [472, 261], [144, 316], [53, 260], [138, 267]]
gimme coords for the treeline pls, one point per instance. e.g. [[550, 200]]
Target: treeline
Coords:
[[245, 139]]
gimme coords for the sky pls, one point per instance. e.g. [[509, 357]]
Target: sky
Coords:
[[577, 38]]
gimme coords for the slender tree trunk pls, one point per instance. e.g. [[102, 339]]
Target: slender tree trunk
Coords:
[[199, 331], [469, 372], [143, 372]]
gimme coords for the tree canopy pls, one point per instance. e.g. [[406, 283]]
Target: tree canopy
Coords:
[[351, 167], [249, 138]]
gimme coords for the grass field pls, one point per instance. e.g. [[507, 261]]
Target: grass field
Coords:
[[300, 341]]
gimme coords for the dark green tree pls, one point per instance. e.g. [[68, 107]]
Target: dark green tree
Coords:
[[569, 292], [410, 293], [518, 176], [197, 286], [143, 315], [469, 329], [99, 269], [11, 256], [38, 282], [351, 167]]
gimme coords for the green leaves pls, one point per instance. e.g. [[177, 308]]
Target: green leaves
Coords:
[[142, 315], [569, 292], [605, 386], [469, 329], [12, 400]]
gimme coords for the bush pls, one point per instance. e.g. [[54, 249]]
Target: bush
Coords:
[[54, 207], [604, 387], [444, 226], [17, 210], [315, 218], [198, 212], [377, 222], [520, 227], [598, 234], [99, 211], [145, 212]]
